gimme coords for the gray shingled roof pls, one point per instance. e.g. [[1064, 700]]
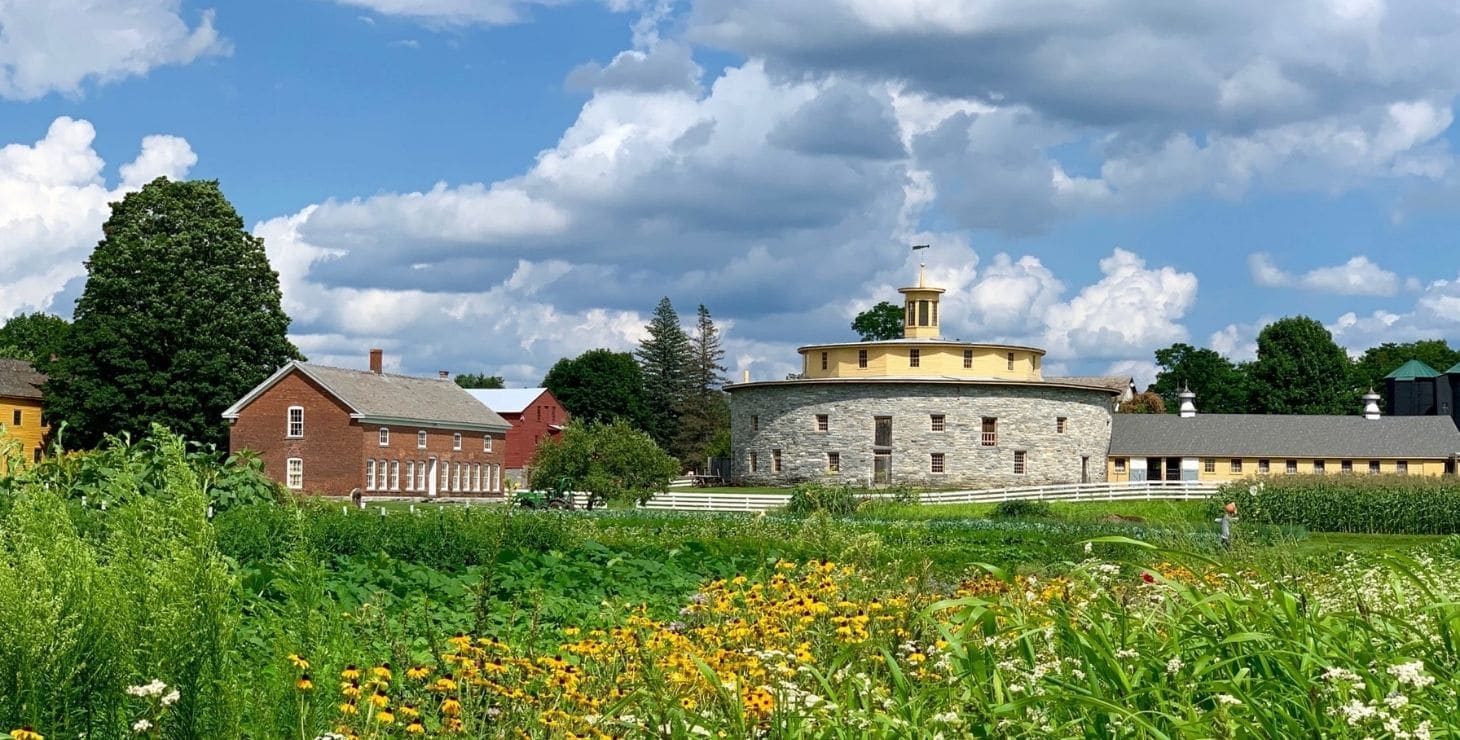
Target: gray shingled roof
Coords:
[[392, 399], [403, 397], [1120, 383], [19, 380], [1259, 435]]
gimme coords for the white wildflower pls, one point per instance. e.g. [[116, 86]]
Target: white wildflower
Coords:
[[1412, 674], [1089, 548], [155, 688], [1126, 653], [1356, 711], [1174, 665], [1229, 700], [171, 698], [141, 726], [1340, 674], [1396, 700]]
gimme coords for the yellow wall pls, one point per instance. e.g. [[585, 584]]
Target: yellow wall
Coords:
[[30, 434], [1278, 466], [936, 359]]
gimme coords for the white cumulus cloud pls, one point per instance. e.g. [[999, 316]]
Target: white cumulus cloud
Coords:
[[1130, 311], [60, 45], [1357, 276]]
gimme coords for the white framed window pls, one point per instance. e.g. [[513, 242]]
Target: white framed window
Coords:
[[938, 422], [1209, 465], [1401, 467], [476, 477], [421, 471], [1011, 360], [1236, 465], [914, 358], [833, 462], [937, 463], [410, 475], [1264, 467], [823, 422], [1120, 465], [1020, 462], [1320, 467], [486, 443], [445, 475], [421, 440], [456, 441], [1061, 424], [754, 463], [1290, 467], [294, 429], [384, 437], [294, 475], [456, 476], [369, 475], [395, 475], [775, 461]]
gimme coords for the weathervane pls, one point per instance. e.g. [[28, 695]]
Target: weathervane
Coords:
[[916, 247]]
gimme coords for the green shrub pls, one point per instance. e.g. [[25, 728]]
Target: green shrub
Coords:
[[1349, 503], [811, 498], [1022, 509]]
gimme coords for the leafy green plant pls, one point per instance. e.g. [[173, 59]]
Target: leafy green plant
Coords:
[[830, 498], [1022, 509]]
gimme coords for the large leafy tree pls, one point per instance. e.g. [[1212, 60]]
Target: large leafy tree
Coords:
[[1147, 402], [611, 462], [882, 321], [600, 386], [479, 380], [34, 337], [667, 359], [180, 317], [1219, 385], [1300, 370], [1376, 362]]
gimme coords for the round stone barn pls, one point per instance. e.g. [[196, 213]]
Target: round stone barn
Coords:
[[924, 411]]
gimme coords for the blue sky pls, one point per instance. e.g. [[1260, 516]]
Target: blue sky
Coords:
[[489, 185]]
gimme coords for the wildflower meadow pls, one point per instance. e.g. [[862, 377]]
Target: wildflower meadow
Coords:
[[137, 600]]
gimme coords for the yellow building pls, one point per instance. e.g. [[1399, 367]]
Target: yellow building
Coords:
[[20, 411], [1223, 447]]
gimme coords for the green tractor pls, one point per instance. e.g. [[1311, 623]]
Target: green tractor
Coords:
[[559, 496]]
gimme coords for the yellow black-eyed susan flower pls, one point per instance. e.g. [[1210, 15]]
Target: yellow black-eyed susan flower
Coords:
[[25, 733], [451, 706], [379, 699], [445, 683], [415, 728], [416, 673], [385, 717], [349, 708], [350, 673], [298, 662], [304, 683], [408, 711], [382, 671], [351, 689]]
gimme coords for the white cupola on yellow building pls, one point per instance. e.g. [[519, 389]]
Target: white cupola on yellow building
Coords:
[[920, 310]]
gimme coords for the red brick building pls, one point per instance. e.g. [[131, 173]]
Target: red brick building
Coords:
[[330, 430], [534, 413]]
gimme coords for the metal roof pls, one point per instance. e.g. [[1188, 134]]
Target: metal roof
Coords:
[[506, 400], [19, 380], [386, 398], [1271, 435], [1413, 369]]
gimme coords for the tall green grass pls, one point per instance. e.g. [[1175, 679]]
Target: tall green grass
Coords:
[[1352, 503]]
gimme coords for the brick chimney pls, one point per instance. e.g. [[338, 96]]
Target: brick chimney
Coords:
[[443, 374], [377, 361]]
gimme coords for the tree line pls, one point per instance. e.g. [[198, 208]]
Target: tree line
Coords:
[[1299, 369], [670, 387]]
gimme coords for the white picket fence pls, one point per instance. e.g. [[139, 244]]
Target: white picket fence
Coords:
[[1124, 491]]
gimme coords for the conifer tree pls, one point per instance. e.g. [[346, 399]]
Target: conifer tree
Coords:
[[667, 360], [704, 413]]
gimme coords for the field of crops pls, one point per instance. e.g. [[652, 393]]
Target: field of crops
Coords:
[[126, 612]]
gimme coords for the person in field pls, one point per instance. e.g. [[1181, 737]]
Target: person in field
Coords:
[[1229, 515]]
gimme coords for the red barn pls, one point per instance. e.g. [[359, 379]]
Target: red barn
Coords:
[[330, 430], [534, 413]]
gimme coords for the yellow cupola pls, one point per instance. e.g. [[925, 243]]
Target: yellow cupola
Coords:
[[920, 310]]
